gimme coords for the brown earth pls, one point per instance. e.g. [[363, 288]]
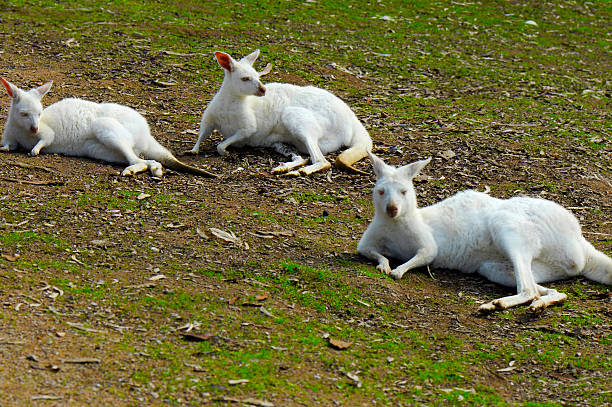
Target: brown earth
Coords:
[[127, 246]]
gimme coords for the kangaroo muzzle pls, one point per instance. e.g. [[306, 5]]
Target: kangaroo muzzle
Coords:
[[261, 91], [392, 210], [34, 129]]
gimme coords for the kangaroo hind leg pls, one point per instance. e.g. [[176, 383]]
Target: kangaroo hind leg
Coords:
[[304, 126], [114, 136], [296, 159], [519, 249]]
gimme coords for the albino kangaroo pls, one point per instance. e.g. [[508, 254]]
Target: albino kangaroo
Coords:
[[104, 131], [311, 119], [515, 242]]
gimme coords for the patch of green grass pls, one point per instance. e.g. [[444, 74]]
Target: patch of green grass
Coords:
[[30, 237], [411, 69]]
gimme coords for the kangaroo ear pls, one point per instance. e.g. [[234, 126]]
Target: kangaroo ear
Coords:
[[266, 70], [252, 57], [42, 90], [411, 170], [225, 61], [379, 166], [10, 88]]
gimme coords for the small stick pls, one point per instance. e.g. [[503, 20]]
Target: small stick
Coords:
[[19, 181], [33, 167]]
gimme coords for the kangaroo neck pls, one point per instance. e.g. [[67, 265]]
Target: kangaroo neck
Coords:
[[228, 92], [10, 127]]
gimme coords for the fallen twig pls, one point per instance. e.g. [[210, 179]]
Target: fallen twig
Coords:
[[44, 397], [83, 328], [21, 181], [33, 167], [81, 360]]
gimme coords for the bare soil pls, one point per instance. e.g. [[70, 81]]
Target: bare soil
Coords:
[[124, 245]]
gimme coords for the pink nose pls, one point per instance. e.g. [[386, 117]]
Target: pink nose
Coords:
[[34, 129], [391, 211]]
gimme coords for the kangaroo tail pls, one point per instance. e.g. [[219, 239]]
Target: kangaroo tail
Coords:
[[355, 153], [174, 164], [598, 266]]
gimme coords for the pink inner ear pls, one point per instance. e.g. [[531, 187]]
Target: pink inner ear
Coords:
[[224, 60], [7, 86]]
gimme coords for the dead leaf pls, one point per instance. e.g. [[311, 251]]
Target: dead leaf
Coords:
[[143, 196], [232, 301], [237, 381], [258, 403], [202, 234], [356, 380], [157, 277], [225, 236], [81, 360], [249, 401], [422, 178], [145, 285], [196, 368], [448, 154], [250, 304], [83, 328], [197, 337], [339, 344], [10, 257], [44, 397], [506, 369], [164, 83], [273, 233], [262, 297], [561, 377]]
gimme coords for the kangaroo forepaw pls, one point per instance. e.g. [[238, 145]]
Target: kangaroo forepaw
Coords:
[[396, 274], [221, 150], [384, 268]]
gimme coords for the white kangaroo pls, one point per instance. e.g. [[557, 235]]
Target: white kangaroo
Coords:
[[104, 131], [519, 242], [310, 119]]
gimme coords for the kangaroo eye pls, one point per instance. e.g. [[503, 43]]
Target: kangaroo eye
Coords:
[[381, 192], [245, 79], [24, 114], [403, 192]]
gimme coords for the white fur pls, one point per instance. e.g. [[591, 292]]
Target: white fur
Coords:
[[518, 242], [104, 131], [248, 114]]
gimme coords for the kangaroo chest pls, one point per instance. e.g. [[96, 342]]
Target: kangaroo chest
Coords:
[[398, 242]]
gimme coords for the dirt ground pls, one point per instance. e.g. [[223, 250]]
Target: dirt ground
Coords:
[[119, 241]]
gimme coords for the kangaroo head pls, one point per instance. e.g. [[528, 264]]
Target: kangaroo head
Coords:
[[26, 109], [394, 193], [241, 76]]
